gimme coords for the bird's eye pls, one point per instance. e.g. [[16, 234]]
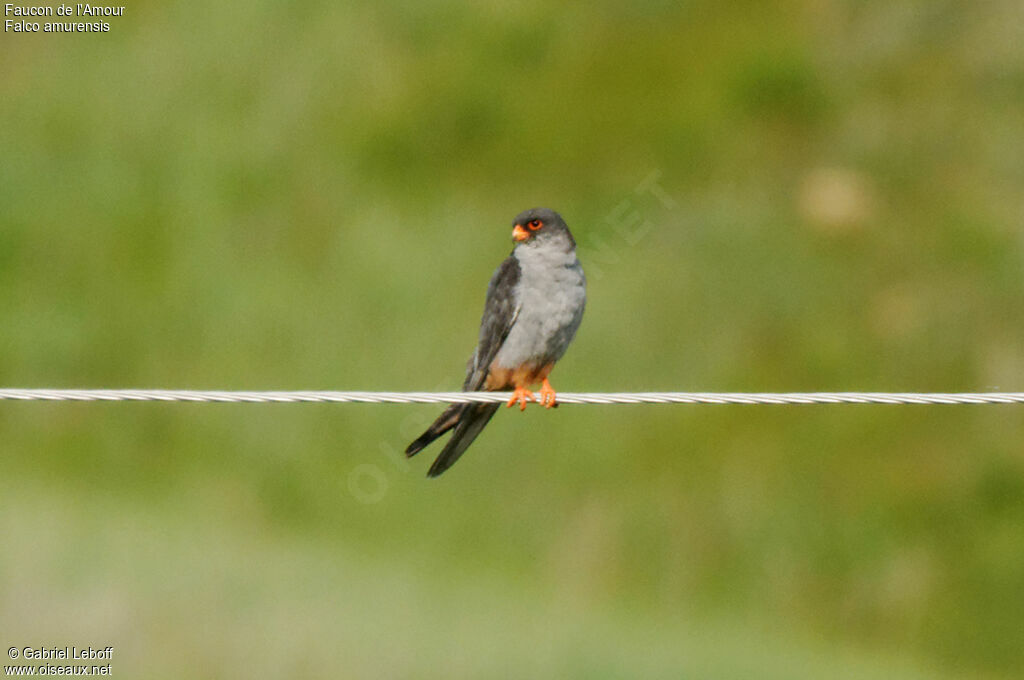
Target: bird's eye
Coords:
[[535, 224]]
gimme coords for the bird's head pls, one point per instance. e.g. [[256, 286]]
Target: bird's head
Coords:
[[539, 226]]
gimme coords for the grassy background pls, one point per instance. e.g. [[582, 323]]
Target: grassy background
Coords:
[[283, 196]]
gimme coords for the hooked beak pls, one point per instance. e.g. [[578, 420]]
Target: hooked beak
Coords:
[[520, 234]]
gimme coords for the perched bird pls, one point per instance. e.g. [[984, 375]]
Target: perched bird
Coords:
[[534, 305]]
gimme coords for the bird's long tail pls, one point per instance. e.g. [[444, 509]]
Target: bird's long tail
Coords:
[[444, 422], [468, 420]]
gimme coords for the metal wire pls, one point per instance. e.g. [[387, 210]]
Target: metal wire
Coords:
[[496, 397]]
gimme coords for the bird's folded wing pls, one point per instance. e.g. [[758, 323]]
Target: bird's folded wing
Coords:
[[500, 313]]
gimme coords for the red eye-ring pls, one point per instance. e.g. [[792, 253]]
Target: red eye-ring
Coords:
[[535, 225]]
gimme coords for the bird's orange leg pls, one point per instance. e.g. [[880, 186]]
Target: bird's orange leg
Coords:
[[547, 394], [522, 395]]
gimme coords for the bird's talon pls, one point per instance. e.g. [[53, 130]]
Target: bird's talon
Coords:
[[522, 395], [547, 395]]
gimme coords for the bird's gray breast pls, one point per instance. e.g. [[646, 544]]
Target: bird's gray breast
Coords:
[[551, 294]]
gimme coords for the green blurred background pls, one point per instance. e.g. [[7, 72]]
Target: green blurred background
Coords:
[[803, 195]]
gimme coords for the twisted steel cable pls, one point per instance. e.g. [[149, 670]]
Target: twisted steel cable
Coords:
[[250, 397]]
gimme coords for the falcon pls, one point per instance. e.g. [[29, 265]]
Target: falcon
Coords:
[[534, 305]]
